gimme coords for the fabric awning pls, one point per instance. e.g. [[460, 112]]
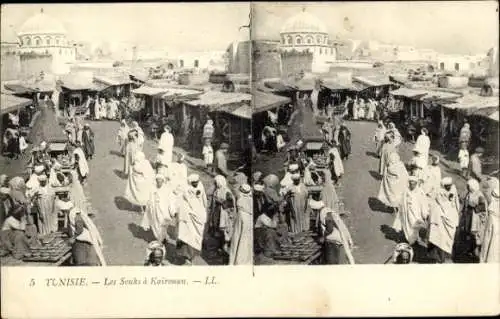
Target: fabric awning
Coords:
[[471, 103], [266, 101], [369, 81], [149, 91], [175, 93], [113, 80], [19, 89], [425, 95], [494, 116], [11, 103], [215, 99], [410, 93], [77, 83], [99, 86], [244, 112]]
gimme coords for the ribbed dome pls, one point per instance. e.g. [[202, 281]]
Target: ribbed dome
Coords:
[[42, 23], [303, 22]]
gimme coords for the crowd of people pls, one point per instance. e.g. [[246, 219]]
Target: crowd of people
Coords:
[[288, 206], [430, 216], [175, 205], [51, 200]]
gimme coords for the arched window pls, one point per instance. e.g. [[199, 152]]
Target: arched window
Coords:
[[181, 62], [27, 41], [298, 39], [457, 67], [60, 51], [58, 40], [309, 40], [38, 41], [441, 65], [319, 39], [47, 41], [320, 51], [289, 40], [196, 63], [331, 51]]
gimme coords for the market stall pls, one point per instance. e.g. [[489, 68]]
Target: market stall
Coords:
[[216, 105], [51, 250], [262, 102], [481, 113], [373, 86], [11, 105], [117, 86]]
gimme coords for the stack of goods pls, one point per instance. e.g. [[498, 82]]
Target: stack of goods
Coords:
[[53, 247], [302, 247], [64, 160], [320, 160]]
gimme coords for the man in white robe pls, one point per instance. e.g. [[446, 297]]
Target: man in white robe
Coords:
[[160, 209], [418, 165], [490, 250], [178, 175], [82, 165], [443, 224], [413, 212], [167, 143], [287, 182], [195, 183], [33, 182], [162, 162], [432, 183], [87, 241], [241, 251], [45, 200], [140, 181], [192, 220], [451, 191], [423, 143]]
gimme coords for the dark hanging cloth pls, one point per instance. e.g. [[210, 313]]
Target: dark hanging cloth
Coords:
[[345, 142], [88, 145]]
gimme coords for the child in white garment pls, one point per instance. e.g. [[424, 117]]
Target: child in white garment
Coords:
[[208, 154], [463, 159]]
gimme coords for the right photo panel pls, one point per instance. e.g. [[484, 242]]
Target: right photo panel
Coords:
[[375, 133]]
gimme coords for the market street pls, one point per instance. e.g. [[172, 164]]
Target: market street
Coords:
[[360, 184], [125, 241]]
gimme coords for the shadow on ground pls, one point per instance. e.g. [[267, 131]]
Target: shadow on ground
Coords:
[[123, 204], [377, 206], [372, 154], [138, 232], [391, 234], [375, 175], [116, 153], [119, 173]]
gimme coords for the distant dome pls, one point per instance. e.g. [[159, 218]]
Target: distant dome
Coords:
[[42, 23], [303, 22]]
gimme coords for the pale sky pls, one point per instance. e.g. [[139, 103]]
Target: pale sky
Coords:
[[449, 27], [182, 27]]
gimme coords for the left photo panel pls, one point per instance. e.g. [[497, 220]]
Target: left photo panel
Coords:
[[125, 143]]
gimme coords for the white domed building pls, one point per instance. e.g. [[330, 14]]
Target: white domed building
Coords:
[[305, 32], [44, 35]]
